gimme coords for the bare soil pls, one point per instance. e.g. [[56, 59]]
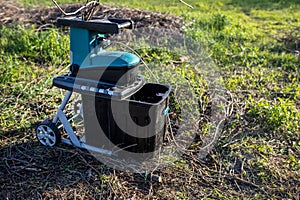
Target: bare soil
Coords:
[[11, 14]]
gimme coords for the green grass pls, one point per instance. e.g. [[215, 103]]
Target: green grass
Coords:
[[255, 45], [29, 60]]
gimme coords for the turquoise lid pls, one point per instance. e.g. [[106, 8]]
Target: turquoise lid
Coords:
[[111, 59]]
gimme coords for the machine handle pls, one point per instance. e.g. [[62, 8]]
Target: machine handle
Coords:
[[125, 25], [122, 23]]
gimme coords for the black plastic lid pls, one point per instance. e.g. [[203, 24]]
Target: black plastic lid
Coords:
[[97, 88], [100, 25]]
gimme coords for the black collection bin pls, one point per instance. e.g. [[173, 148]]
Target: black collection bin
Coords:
[[142, 114]]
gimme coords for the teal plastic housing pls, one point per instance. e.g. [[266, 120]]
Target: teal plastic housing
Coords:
[[80, 44], [86, 51], [111, 59]]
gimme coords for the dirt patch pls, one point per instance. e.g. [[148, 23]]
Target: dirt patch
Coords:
[[12, 13]]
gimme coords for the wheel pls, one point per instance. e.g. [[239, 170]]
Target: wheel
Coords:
[[48, 134]]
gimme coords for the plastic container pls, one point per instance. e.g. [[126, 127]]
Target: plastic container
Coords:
[[136, 124]]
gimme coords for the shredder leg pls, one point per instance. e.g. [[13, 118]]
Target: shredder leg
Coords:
[[62, 106], [60, 116], [73, 138]]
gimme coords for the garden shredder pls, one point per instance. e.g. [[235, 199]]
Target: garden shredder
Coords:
[[120, 109]]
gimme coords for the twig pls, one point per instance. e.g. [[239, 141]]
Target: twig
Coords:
[[93, 3], [215, 135], [233, 177], [186, 4], [44, 27]]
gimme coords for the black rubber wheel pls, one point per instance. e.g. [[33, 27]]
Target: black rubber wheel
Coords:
[[48, 134]]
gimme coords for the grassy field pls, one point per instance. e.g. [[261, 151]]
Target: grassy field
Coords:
[[256, 46]]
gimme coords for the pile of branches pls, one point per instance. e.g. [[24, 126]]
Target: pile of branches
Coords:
[[40, 16]]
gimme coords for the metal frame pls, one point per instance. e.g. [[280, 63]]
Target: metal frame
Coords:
[[74, 140]]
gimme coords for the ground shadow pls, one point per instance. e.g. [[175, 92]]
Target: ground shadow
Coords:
[[29, 169]]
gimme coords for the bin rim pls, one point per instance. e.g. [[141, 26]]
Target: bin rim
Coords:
[[164, 97]]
